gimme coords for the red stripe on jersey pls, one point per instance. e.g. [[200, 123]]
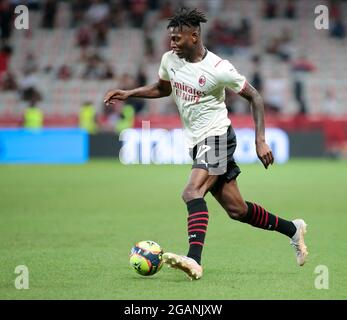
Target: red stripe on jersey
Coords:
[[218, 63], [276, 222], [243, 87]]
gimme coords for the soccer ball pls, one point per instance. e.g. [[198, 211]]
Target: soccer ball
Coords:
[[145, 258]]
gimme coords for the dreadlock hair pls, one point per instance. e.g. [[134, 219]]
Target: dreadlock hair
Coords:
[[186, 17]]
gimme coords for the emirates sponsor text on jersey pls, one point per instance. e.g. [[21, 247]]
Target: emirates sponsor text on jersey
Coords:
[[187, 92]]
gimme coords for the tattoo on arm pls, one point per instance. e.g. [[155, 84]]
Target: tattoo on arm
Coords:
[[257, 107]]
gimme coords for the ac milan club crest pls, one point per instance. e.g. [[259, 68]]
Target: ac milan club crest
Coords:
[[202, 81]]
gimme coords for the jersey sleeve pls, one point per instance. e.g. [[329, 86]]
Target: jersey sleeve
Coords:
[[163, 74], [228, 76]]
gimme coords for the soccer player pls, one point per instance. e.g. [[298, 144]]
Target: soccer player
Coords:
[[196, 78]]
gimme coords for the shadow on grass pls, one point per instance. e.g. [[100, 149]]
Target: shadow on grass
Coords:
[[178, 277]]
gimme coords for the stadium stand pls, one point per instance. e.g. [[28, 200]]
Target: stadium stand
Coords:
[[92, 46]]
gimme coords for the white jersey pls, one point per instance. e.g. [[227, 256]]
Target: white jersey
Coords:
[[199, 92]]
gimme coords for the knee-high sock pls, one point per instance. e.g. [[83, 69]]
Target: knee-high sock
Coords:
[[197, 227], [258, 217]]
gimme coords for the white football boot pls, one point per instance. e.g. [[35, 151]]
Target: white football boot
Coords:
[[298, 242], [186, 264]]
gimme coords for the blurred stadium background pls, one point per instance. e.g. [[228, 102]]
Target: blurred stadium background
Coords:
[[74, 51], [73, 225]]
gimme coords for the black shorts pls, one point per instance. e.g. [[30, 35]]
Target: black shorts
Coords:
[[216, 155]]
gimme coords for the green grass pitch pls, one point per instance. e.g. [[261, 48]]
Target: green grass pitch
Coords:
[[73, 227]]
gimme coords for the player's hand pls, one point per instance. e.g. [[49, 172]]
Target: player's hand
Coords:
[[264, 154], [114, 95]]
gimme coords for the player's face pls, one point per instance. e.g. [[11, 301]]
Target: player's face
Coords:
[[182, 41]]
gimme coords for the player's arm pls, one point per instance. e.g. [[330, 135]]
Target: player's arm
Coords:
[[159, 89], [257, 106]]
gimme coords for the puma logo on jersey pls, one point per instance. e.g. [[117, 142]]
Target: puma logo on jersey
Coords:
[[202, 149], [172, 69]]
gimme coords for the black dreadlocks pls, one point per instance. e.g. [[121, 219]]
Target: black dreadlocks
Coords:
[[184, 17]]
